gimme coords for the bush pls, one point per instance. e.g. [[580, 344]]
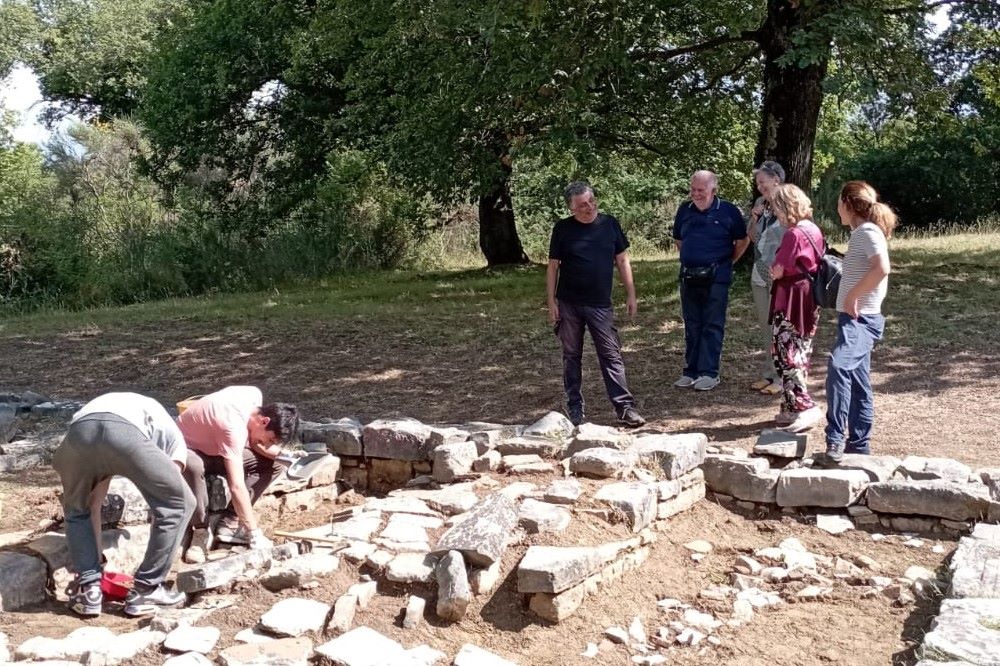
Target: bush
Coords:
[[949, 175]]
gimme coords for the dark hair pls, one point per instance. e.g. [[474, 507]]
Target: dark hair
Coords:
[[283, 420], [863, 201], [576, 188]]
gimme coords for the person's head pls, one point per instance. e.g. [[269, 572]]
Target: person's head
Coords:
[[704, 185], [767, 177], [579, 196], [859, 203], [790, 205], [274, 423]]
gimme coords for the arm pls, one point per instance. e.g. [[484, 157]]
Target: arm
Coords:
[[551, 278], [625, 272], [739, 247], [271, 451], [241, 496], [878, 270]]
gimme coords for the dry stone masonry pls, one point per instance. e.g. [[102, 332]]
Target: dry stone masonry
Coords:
[[442, 514]]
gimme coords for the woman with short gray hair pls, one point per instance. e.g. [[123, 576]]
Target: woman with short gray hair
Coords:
[[766, 233]]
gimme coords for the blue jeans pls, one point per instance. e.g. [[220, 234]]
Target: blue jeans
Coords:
[[850, 406], [704, 311], [573, 319], [105, 445]]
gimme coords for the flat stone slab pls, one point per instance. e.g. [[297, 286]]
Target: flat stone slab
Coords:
[[411, 568], [966, 630], [535, 517], [453, 460], [562, 491], [71, 648], [186, 638], [342, 438], [294, 617], [975, 567], [22, 580], [452, 500], [592, 436], [879, 468], [362, 646], [938, 498], [553, 425], [471, 655], [224, 571], [553, 569], [780, 444], [282, 651], [635, 501], [747, 479], [602, 463], [397, 439], [830, 488], [676, 455], [482, 535], [411, 505], [539, 446], [928, 469]]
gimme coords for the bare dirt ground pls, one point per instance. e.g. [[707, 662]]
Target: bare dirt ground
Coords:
[[478, 359]]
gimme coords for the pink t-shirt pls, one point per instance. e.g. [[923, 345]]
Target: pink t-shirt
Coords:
[[216, 424]]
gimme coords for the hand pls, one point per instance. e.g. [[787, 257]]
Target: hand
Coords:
[[777, 271], [631, 306], [757, 210], [258, 541], [553, 313], [851, 306]]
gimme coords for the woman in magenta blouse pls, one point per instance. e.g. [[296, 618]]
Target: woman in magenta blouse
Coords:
[[793, 311]]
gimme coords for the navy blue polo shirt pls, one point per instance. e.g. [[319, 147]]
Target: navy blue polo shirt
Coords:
[[586, 255], [707, 236]]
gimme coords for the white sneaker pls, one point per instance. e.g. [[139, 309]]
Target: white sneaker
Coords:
[[684, 382], [805, 420], [705, 383]]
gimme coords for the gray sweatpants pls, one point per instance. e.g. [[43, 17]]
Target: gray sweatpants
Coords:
[[765, 334], [104, 445]]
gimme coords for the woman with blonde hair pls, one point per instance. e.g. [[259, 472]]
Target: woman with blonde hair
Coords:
[[793, 310], [849, 401]]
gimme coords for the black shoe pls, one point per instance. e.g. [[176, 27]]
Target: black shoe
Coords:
[[630, 416], [575, 415]]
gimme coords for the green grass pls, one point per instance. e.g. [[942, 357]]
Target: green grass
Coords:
[[944, 292]]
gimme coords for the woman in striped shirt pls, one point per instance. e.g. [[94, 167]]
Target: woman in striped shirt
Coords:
[[850, 403]]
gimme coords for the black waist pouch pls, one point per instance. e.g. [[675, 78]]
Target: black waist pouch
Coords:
[[698, 276]]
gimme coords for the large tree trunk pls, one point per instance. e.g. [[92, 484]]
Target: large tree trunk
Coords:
[[793, 94], [498, 237]]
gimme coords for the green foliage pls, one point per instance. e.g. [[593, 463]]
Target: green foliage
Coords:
[[18, 32], [950, 175], [92, 54]]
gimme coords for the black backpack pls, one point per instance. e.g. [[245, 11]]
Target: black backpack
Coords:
[[826, 280]]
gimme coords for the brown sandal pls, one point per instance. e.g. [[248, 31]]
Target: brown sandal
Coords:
[[760, 384]]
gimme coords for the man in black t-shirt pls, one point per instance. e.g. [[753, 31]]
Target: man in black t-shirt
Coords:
[[583, 252]]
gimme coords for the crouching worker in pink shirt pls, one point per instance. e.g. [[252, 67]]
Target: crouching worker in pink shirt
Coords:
[[230, 433]]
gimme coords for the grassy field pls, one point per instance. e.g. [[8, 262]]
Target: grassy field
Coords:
[[474, 344]]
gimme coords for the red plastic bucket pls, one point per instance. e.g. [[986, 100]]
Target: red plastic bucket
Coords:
[[116, 586]]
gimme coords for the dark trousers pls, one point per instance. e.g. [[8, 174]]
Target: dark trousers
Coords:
[[850, 404], [573, 319], [704, 311], [95, 449], [258, 471]]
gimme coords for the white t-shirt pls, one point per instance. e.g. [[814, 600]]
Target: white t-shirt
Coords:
[[144, 413], [867, 242]]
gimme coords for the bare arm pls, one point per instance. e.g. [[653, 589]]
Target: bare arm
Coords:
[[739, 247], [241, 496], [269, 451], [625, 272], [878, 270], [551, 278]]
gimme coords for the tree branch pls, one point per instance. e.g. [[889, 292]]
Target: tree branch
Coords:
[[668, 54]]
